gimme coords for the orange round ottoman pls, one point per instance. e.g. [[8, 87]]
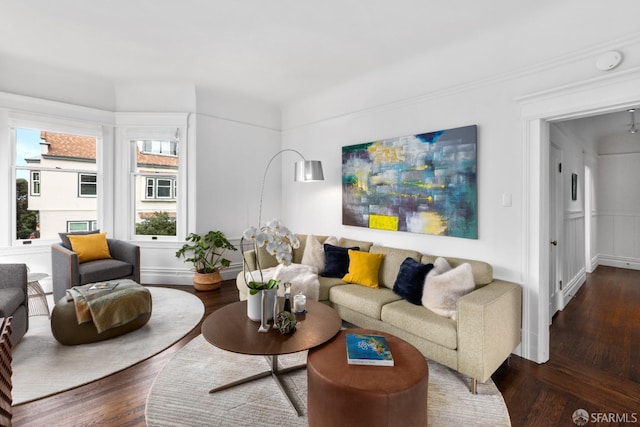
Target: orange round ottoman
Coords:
[[340, 394]]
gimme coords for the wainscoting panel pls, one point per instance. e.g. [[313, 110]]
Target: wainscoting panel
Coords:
[[573, 272], [619, 239]]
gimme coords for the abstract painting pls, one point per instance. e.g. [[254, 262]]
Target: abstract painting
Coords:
[[423, 183]]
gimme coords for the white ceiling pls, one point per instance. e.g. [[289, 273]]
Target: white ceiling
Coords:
[[275, 50]]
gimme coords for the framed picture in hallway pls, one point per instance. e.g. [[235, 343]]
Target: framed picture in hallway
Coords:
[[574, 186], [423, 183]]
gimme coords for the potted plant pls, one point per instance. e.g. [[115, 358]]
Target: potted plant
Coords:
[[279, 242], [206, 253]]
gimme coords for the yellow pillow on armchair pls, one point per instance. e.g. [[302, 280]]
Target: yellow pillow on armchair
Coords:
[[90, 247], [363, 268]]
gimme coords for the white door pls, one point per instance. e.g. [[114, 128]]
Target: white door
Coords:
[[556, 207]]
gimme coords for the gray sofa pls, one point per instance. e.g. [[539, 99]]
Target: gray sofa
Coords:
[[486, 331], [67, 272], [14, 299]]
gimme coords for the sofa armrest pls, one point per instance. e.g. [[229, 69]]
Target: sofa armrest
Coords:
[[64, 270], [15, 276], [489, 328], [127, 252]]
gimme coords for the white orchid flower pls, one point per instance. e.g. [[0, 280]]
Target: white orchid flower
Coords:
[[250, 233], [262, 238]]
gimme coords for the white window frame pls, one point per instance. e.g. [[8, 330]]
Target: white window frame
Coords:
[[90, 225], [20, 120], [162, 127], [151, 182], [33, 181], [81, 183]]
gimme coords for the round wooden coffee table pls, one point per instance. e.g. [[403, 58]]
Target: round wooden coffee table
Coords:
[[230, 329]]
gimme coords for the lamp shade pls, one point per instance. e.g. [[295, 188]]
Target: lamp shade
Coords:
[[308, 170]]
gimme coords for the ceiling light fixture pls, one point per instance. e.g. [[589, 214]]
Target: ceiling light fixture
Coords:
[[632, 129]]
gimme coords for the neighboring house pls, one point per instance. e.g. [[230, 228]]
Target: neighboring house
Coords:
[[64, 190]]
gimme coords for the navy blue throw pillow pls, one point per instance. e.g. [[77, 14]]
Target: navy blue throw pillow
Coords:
[[410, 281], [336, 260]]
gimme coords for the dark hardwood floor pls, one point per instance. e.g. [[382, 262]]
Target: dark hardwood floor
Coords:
[[595, 347], [593, 363]]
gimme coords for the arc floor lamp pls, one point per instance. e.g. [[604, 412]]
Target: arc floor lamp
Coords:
[[304, 171]]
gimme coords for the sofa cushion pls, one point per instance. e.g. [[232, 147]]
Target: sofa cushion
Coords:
[[90, 247], [349, 243], [410, 280], [442, 291], [368, 301], [421, 322], [482, 271], [364, 268], [104, 269], [64, 237], [393, 259], [336, 261], [326, 283], [313, 253], [11, 299]]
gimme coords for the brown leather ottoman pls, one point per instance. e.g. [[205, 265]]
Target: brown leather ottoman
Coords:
[[67, 331], [340, 394]]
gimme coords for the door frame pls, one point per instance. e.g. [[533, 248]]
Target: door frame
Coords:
[[556, 229], [607, 93]]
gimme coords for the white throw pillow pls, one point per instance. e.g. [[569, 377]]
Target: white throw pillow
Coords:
[[313, 254], [442, 291]]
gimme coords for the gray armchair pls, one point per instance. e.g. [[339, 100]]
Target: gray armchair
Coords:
[[14, 299], [67, 272]]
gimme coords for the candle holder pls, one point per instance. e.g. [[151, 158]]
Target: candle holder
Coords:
[[299, 304]]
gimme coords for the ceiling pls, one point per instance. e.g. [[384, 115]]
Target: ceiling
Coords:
[[276, 50]]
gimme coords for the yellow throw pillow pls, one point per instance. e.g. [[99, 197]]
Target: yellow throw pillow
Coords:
[[90, 247], [363, 268]]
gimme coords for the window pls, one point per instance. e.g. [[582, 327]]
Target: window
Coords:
[[66, 162], [167, 148], [88, 185], [155, 187], [157, 150], [160, 188], [35, 183], [81, 226]]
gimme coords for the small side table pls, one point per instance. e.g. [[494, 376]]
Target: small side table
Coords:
[[38, 305]]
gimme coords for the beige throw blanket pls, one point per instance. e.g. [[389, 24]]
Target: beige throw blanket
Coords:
[[108, 308]]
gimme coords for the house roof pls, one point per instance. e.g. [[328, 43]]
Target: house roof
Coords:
[[72, 146], [84, 147]]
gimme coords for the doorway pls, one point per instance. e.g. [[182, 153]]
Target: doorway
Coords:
[[590, 97]]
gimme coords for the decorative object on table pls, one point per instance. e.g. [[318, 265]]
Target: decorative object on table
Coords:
[[278, 241], [287, 297], [368, 349], [206, 253], [264, 321], [299, 303], [424, 183], [286, 322]]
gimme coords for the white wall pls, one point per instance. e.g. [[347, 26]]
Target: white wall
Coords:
[[473, 82], [618, 195]]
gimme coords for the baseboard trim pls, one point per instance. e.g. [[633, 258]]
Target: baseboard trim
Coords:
[[619, 262]]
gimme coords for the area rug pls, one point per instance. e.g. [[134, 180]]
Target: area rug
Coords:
[[180, 394], [42, 366]]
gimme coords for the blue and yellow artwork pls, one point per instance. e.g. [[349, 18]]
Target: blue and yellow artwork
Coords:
[[423, 183]]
